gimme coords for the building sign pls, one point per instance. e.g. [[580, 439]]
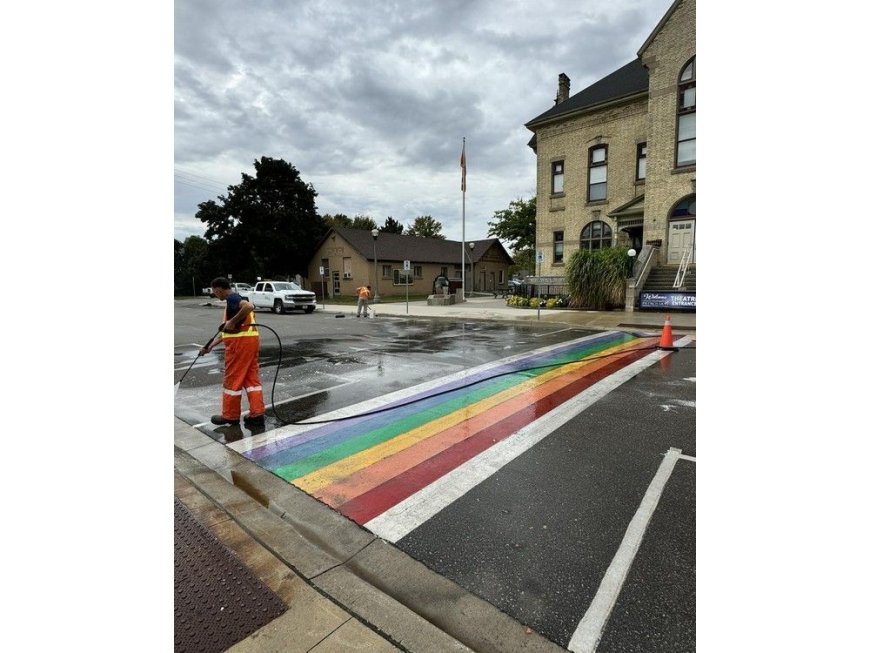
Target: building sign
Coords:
[[668, 300]]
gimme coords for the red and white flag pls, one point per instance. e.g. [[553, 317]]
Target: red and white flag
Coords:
[[462, 164]]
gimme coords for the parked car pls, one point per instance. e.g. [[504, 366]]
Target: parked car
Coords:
[[283, 297], [244, 289]]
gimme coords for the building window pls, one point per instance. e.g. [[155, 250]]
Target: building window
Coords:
[[501, 277], [641, 161], [345, 268], [598, 173], [596, 235], [386, 271], [402, 277], [684, 209], [444, 271], [418, 271], [558, 246], [686, 116], [558, 177]]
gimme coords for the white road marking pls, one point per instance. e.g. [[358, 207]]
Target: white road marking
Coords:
[[684, 402], [690, 458], [549, 333], [276, 435], [407, 515], [585, 639]]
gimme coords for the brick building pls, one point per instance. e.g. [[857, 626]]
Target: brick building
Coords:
[[616, 161], [348, 259]]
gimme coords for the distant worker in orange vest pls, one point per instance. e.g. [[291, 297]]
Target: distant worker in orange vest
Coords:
[[364, 294], [242, 366]]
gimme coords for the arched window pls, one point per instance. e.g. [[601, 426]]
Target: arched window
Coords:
[[596, 235], [684, 209], [686, 115]]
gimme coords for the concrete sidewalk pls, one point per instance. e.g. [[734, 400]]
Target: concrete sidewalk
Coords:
[[487, 308], [346, 589]]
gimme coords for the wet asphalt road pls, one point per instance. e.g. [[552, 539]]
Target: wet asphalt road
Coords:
[[536, 538], [329, 362]]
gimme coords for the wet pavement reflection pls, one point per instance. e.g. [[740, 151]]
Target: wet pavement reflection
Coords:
[[321, 374]]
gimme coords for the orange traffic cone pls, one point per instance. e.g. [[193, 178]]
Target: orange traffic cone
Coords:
[[667, 339]]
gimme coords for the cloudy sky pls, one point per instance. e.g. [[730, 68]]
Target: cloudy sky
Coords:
[[370, 100]]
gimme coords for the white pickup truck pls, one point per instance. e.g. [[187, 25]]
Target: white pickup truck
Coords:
[[282, 297], [243, 289]]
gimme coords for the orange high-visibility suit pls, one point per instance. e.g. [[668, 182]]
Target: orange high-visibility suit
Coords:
[[242, 371]]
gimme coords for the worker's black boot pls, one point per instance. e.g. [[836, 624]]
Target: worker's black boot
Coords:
[[220, 420]]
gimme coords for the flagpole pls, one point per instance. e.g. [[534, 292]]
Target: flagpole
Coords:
[[462, 162]]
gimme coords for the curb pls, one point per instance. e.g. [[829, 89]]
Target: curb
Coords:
[[387, 590]]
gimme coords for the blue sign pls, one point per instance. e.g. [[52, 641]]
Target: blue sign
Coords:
[[668, 300]]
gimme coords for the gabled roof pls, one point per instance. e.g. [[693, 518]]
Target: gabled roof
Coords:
[[633, 207], [632, 80], [658, 28], [397, 247]]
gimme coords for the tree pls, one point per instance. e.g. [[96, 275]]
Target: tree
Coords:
[[192, 268], [265, 226], [425, 226], [516, 226], [337, 220], [392, 226], [364, 222]]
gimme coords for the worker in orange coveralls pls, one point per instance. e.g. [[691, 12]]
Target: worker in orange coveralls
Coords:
[[242, 366]]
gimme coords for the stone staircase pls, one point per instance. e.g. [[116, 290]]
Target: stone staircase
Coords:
[[661, 279]]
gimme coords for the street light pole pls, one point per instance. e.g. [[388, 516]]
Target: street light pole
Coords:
[[377, 296], [471, 246]]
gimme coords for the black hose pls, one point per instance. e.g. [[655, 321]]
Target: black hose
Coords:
[[428, 396]]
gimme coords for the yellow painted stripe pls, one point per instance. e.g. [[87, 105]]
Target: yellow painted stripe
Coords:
[[331, 473]]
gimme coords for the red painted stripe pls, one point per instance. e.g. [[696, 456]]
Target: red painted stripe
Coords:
[[369, 505], [343, 490]]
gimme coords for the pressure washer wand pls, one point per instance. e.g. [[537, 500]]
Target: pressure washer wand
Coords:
[[196, 358]]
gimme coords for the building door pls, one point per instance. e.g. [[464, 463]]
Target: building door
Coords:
[[336, 283], [681, 237]]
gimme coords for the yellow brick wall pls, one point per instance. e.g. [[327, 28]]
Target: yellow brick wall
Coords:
[[621, 128], [665, 57]]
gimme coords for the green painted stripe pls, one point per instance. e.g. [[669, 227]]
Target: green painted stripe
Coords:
[[372, 438]]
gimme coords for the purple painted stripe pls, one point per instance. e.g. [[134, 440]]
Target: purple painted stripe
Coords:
[[420, 400]]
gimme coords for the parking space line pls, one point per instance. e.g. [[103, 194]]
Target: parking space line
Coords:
[[588, 633], [690, 458], [550, 333]]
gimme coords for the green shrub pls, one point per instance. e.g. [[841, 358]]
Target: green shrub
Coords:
[[553, 302], [534, 302], [596, 279]]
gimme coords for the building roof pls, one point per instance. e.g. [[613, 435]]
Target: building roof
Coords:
[[658, 28], [398, 247], [629, 81]]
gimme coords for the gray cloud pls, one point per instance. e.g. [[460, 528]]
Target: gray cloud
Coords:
[[370, 100]]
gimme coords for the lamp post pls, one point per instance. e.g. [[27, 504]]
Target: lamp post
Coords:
[[632, 253], [375, 237], [471, 247]]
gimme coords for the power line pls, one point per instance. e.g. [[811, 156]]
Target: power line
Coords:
[[198, 187]]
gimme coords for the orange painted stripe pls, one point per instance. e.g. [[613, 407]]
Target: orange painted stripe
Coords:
[[339, 492]]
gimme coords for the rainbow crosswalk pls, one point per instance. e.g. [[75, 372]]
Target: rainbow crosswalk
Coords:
[[370, 461]]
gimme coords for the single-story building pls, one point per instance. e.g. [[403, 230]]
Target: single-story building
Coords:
[[349, 258]]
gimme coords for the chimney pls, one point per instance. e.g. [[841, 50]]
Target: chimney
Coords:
[[564, 88]]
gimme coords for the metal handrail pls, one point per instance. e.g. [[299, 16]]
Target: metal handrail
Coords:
[[684, 263], [649, 258]]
